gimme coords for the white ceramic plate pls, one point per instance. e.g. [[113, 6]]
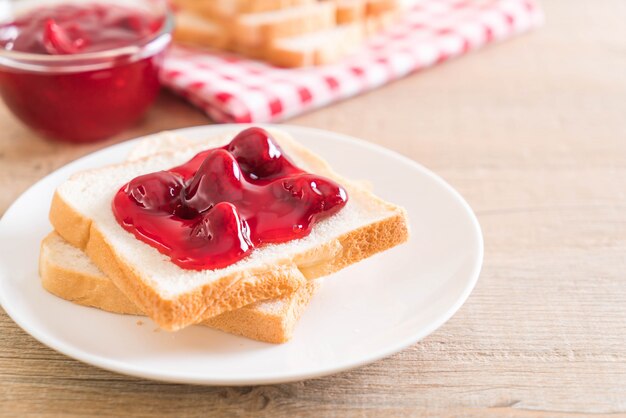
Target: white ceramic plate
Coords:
[[361, 314]]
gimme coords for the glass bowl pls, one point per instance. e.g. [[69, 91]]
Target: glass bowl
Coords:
[[88, 96]]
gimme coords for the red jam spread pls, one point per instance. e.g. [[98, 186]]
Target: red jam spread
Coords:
[[81, 105], [213, 210]]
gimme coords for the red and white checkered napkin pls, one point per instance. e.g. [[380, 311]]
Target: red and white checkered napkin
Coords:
[[235, 89]]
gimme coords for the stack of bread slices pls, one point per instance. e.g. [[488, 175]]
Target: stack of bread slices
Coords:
[[287, 33], [91, 260]]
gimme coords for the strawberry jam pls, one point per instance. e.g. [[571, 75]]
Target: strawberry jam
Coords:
[[215, 209], [84, 71]]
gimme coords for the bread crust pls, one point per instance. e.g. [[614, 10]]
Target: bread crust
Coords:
[[96, 290], [260, 34], [239, 26], [80, 287], [213, 35], [349, 11], [249, 322], [225, 294], [231, 292], [227, 9], [324, 53]]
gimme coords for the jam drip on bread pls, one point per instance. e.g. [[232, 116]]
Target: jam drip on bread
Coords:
[[215, 209]]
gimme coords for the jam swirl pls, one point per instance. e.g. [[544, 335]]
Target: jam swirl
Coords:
[[215, 209]]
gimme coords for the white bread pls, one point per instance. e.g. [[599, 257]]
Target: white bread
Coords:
[[226, 9], [175, 298], [377, 22], [167, 141], [282, 31], [211, 9], [162, 142], [317, 48], [349, 11], [68, 273], [192, 29], [376, 7], [259, 29]]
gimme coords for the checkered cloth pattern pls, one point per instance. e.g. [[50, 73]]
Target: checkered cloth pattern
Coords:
[[230, 88]]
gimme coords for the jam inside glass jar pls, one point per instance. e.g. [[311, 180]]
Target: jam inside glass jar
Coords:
[[82, 71]]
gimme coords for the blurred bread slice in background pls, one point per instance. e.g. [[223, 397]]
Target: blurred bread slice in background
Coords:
[[316, 48], [286, 33], [193, 29], [350, 11], [261, 29]]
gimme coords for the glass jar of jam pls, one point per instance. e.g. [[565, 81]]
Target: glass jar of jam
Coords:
[[83, 70]]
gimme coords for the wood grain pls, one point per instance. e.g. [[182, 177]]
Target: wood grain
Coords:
[[533, 134]]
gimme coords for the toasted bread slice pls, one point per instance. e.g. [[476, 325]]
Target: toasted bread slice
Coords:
[[173, 297], [69, 274]]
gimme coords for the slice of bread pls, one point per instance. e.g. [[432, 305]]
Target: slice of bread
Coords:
[[257, 6], [173, 297], [350, 11], [69, 274], [159, 143], [227, 9], [192, 29], [377, 22], [317, 48], [257, 28], [260, 29], [376, 7]]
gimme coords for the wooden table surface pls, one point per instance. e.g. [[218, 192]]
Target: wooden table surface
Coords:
[[533, 134]]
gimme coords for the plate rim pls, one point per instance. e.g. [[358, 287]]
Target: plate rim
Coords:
[[125, 368]]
